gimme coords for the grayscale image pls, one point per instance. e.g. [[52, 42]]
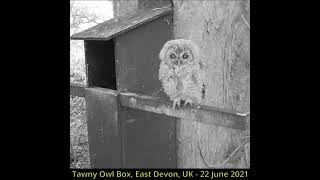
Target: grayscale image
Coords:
[[160, 84]]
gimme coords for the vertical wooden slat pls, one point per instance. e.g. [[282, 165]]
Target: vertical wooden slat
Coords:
[[122, 7], [149, 139], [103, 128], [77, 90]]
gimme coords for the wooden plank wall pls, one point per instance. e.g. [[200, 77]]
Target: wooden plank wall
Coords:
[[122, 7], [148, 139], [103, 128]]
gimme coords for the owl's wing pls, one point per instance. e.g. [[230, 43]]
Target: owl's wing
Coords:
[[166, 76], [163, 71]]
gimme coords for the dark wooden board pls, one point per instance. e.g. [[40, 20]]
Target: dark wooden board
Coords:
[[199, 113], [148, 139], [103, 128], [137, 57], [77, 90], [116, 26]]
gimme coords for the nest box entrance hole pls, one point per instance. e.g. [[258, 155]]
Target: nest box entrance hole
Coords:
[[100, 61]]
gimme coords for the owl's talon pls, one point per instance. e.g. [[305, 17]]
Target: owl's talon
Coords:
[[188, 101], [176, 102]]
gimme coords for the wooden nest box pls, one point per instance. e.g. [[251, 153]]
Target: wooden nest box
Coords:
[[122, 55]]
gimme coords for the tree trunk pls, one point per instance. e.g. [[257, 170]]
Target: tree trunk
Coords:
[[221, 30]]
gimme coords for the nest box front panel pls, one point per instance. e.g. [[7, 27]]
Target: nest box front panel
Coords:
[[137, 56], [148, 139]]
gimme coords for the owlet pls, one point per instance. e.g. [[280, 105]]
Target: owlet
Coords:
[[182, 72]]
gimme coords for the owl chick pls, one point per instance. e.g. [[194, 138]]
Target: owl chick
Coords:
[[182, 72]]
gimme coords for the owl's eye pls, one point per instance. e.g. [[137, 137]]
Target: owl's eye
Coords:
[[172, 56], [185, 56]]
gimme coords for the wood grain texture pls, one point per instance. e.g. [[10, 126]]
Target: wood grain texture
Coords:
[[143, 4], [123, 7], [103, 128], [224, 40], [148, 139], [201, 113]]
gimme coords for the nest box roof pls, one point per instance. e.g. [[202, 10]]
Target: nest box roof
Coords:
[[116, 26]]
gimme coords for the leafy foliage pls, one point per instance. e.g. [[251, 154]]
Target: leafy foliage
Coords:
[[78, 133]]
